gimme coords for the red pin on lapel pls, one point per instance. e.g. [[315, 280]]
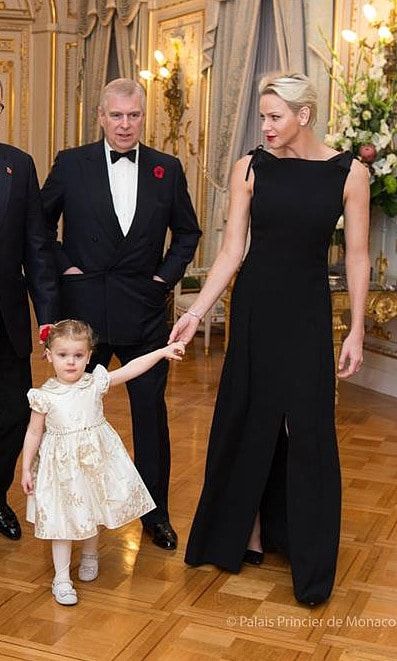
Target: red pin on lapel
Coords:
[[8, 170]]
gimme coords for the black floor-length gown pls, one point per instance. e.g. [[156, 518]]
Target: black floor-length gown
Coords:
[[273, 445]]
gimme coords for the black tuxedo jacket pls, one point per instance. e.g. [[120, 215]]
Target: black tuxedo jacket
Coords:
[[26, 259], [116, 293]]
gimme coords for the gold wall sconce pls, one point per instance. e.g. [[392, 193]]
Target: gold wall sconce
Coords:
[[385, 29], [171, 78]]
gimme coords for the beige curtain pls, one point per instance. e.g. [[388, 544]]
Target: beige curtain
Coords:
[[289, 18], [96, 21], [230, 48]]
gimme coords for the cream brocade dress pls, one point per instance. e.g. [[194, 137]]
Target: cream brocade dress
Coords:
[[84, 476]]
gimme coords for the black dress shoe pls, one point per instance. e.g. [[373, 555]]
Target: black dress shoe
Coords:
[[253, 557], [10, 514], [9, 525], [314, 601], [163, 535]]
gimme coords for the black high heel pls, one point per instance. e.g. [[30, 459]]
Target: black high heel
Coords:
[[253, 557]]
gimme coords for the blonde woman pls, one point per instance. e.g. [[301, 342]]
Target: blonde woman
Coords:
[[272, 476]]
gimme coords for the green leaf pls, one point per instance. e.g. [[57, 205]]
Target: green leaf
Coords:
[[376, 188], [390, 205]]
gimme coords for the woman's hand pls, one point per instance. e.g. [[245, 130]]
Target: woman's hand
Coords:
[[184, 329], [174, 351], [27, 482], [351, 356]]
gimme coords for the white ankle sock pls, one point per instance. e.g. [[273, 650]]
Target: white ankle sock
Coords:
[[61, 553], [89, 552]]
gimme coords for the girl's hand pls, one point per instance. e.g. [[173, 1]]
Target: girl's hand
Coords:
[[174, 351], [27, 482], [351, 356], [184, 329]]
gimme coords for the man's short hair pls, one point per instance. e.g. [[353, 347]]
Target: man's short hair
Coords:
[[122, 87]]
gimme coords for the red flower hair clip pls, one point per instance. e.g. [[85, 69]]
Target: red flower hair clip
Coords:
[[159, 172], [44, 333]]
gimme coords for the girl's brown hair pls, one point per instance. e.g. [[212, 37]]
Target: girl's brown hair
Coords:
[[73, 329]]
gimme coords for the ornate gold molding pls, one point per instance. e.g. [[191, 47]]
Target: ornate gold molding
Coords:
[[70, 48], [24, 12], [52, 102], [202, 183], [7, 68], [16, 66], [53, 73], [382, 306], [7, 45], [72, 11], [24, 87]]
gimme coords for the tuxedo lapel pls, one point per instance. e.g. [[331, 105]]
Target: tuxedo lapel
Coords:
[[98, 187], [146, 195], [6, 173]]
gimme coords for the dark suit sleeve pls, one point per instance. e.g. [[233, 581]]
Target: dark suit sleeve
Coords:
[[185, 233], [52, 195], [38, 263]]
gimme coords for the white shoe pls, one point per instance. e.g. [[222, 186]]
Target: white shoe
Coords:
[[88, 572], [64, 593]]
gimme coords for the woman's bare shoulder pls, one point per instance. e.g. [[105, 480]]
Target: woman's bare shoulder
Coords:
[[243, 162], [359, 173]]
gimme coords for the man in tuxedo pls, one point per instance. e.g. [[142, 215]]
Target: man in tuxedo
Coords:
[[26, 264], [118, 198]]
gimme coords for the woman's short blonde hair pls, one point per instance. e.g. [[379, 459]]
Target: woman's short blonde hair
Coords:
[[294, 88]]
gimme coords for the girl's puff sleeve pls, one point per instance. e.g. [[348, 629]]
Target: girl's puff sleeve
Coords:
[[38, 401], [101, 379]]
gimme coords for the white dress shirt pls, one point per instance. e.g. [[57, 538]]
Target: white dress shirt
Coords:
[[123, 179]]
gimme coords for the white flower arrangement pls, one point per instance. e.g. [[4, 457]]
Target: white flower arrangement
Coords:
[[366, 119]]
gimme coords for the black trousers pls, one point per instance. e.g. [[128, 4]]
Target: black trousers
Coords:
[[149, 423], [15, 381]]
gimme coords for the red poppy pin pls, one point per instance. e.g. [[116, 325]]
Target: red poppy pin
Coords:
[[159, 172], [8, 170], [44, 333]]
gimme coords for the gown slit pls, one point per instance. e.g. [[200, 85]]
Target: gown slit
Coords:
[[272, 445]]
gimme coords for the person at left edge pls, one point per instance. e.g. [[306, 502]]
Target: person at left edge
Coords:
[[118, 198], [26, 264]]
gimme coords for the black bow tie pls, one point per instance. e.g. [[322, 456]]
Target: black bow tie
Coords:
[[115, 155]]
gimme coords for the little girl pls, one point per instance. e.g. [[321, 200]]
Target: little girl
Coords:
[[83, 476]]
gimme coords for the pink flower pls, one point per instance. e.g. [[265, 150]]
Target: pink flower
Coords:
[[367, 153], [159, 172]]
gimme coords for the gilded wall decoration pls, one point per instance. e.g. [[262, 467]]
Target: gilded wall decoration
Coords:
[[7, 75], [71, 128], [72, 11], [175, 118], [15, 9], [7, 45], [14, 73]]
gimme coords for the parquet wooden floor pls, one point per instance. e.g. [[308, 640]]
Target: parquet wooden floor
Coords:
[[146, 604]]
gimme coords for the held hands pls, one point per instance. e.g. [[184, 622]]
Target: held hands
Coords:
[[184, 329], [27, 482], [174, 351], [351, 356]]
